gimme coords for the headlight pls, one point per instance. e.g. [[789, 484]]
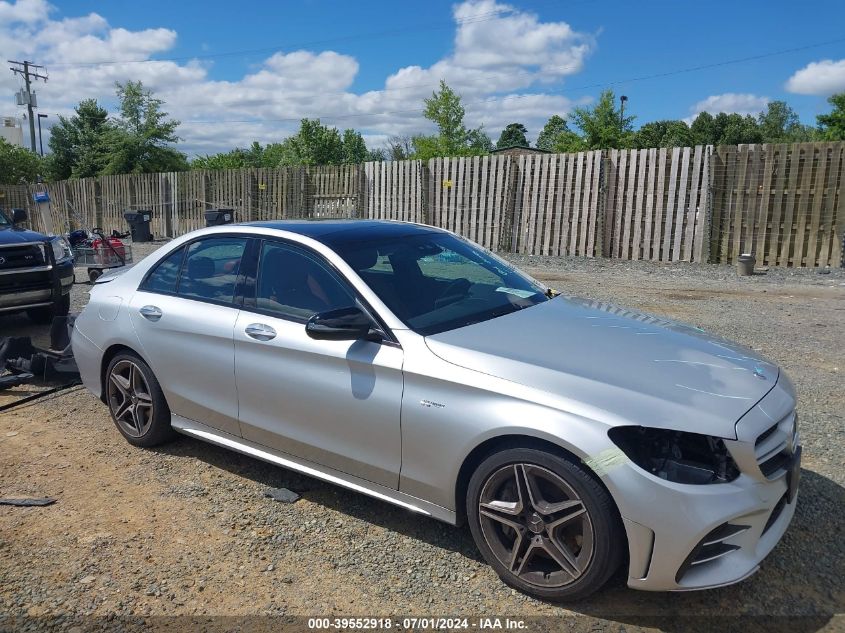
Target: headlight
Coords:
[[61, 250], [685, 458]]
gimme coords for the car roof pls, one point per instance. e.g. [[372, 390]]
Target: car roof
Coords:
[[333, 232]]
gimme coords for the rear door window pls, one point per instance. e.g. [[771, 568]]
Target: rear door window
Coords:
[[164, 276], [210, 270]]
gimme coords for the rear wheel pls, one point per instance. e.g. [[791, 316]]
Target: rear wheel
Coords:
[[136, 401], [544, 525], [45, 314]]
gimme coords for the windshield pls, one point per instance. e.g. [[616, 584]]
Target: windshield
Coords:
[[4, 221], [436, 282]]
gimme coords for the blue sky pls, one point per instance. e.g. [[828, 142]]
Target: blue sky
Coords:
[[369, 64]]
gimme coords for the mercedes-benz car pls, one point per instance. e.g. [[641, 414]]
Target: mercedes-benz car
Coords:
[[407, 363]]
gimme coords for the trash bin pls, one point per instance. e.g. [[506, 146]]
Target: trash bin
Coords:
[[217, 217], [745, 264], [139, 225]]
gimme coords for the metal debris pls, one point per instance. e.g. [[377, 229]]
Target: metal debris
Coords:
[[281, 494], [44, 501]]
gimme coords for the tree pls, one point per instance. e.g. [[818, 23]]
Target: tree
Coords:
[[725, 129], [478, 142], [703, 129], [513, 136], [142, 136], [452, 139], [670, 133], [832, 124], [779, 123], [354, 148], [314, 144], [603, 126], [555, 127], [444, 108], [399, 147], [79, 145], [18, 165], [735, 129]]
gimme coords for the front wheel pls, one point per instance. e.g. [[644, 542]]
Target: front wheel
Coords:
[[136, 401], [545, 525]]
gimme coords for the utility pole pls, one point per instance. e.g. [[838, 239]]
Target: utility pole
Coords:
[[622, 100], [40, 140], [28, 71]]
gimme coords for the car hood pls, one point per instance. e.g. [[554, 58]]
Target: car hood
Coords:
[[12, 235], [622, 366]]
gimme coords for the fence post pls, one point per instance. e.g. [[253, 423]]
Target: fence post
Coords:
[[424, 192], [601, 205], [506, 234], [703, 234]]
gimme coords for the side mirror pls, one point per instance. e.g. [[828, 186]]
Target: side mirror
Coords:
[[18, 216], [343, 324]]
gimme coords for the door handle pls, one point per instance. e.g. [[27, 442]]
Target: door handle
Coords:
[[151, 313], [260, 331]]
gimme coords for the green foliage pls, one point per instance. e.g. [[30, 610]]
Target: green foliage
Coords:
[[313, 144], [603, 126], [79, 145], [555, 127], [399, 148], [444, 108], [832, 124], [354, 149], [513, 136], [18, 165], [453, 138], [725, 129], [141, 139], [779, 123], [668, 133]]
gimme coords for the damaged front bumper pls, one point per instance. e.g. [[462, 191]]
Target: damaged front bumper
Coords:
[[689, 537]]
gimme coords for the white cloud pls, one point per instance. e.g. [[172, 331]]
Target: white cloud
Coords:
[[730, 102], [504, 63], [822, 78]]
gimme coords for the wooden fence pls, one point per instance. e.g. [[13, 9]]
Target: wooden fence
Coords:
[[784, 203]]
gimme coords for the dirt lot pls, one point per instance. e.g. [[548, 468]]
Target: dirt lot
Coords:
[[185, 531]]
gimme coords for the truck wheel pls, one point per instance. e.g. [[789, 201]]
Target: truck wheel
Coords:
[[45, 314]]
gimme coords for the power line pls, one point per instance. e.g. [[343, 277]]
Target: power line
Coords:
[[670, 73]]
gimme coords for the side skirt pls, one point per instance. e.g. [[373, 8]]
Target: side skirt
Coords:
[[220, 438]]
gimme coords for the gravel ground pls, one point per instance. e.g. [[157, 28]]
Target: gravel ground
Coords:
[[184, 529]]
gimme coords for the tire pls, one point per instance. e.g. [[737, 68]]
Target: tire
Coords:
[[45, 314], [568, 517], [94, 274], [136, 402]]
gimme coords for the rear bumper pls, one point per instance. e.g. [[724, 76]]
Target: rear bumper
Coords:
[[88, 359]]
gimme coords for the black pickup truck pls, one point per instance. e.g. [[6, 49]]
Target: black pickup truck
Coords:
[[36, 270]]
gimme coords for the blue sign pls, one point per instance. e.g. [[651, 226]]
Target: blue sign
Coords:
[[41, 196]]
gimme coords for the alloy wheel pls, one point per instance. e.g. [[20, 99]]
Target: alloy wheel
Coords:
[[536, 525], [130, 400]]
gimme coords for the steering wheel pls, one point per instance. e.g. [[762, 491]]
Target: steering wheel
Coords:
[[455, 291]]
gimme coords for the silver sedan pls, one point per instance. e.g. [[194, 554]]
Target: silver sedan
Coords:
[[407, 363]]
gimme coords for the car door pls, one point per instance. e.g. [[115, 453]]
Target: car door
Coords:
[[335, 403], [184, 314]]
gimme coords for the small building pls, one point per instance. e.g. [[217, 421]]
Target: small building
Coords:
[[516, 150], [11, 130]]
